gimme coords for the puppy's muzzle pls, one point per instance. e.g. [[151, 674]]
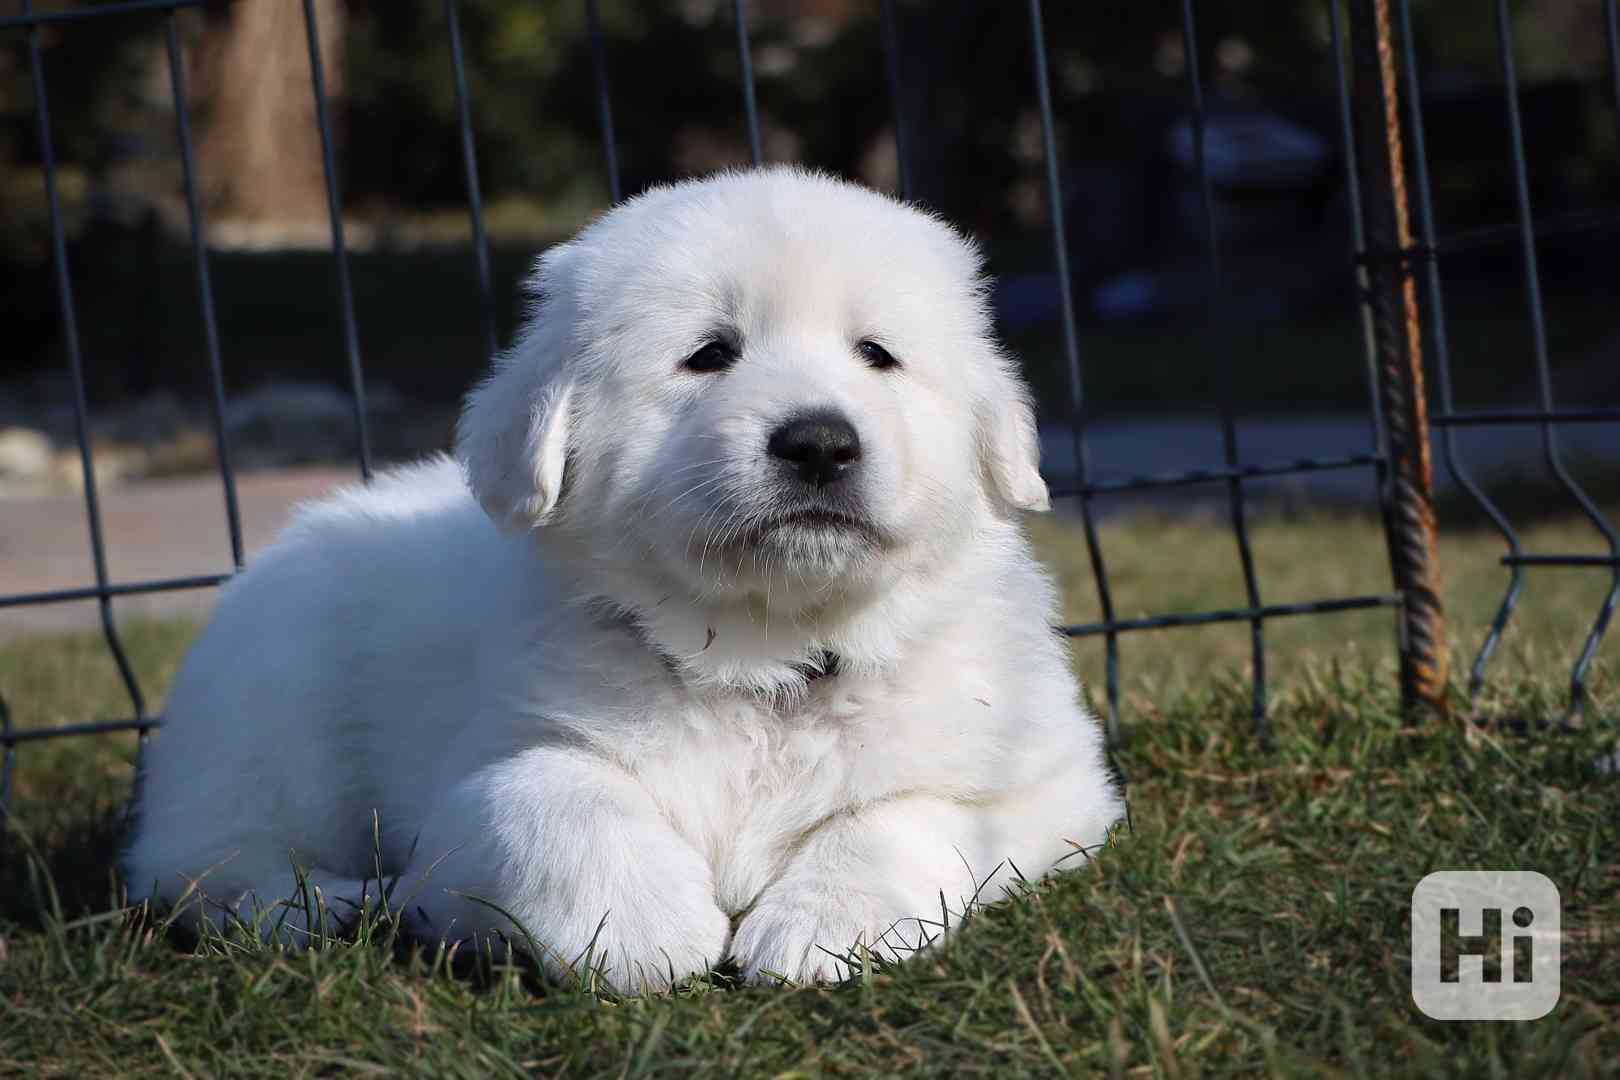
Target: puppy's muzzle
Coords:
[[821, 448]]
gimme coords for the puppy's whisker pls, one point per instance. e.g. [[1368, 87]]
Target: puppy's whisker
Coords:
[[722, 534], [737, 525], [701, 485], [733, 528], [703, 559], [647, 499], [697, 465], [709, 515]]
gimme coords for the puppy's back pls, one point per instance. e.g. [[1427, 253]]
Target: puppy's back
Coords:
[[335, 673]]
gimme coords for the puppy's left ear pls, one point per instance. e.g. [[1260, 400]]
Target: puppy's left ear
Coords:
[[1009, 442]]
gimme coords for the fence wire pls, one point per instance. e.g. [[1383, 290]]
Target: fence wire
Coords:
[[1233, 472]]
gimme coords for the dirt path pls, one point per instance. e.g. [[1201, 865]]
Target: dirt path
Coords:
[[160, 529], [176, 528]]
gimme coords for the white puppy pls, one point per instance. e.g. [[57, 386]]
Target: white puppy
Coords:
[[753, 662]]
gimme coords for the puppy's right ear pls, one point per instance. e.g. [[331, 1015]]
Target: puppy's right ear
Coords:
[[513, 434]]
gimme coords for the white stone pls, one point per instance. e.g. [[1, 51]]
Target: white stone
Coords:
[[25, 455]]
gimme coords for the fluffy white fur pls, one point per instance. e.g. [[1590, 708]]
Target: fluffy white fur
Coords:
[[593, 711]]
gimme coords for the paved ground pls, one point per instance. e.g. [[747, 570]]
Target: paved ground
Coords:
[[177, 528], [161, 529], [1122, 448]]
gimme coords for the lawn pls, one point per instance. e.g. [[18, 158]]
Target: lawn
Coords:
[[1251, 918]]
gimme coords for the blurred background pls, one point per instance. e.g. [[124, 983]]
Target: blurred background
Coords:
[[1132, 208], [1282, 336]]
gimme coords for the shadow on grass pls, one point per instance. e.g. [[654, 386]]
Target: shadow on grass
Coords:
[[76, 851]]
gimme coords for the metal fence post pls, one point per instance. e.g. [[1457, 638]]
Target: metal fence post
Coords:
[[1390, 264]]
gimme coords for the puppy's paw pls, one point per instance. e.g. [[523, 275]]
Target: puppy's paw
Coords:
[[628, 932], [822, 937], [652, 939]]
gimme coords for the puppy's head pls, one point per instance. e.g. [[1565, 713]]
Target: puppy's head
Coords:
[[769, 392]]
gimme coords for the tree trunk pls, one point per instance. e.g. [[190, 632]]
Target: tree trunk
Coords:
[[260, 148]]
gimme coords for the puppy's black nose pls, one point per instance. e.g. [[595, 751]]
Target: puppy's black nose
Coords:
[[822, 447]]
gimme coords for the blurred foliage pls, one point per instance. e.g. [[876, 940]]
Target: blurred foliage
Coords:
[[1118, 78], [95, 74], [675, 94], [823, 87]]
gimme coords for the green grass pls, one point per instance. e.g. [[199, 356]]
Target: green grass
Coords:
[[1252, 919], [1178, 564]]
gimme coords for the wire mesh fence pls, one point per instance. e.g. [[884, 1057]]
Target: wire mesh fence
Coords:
[[1392, 272]]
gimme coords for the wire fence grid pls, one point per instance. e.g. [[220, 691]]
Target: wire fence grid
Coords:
[[1381, 123]]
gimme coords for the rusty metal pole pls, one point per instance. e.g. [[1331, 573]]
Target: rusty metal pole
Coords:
[[1390, 263]]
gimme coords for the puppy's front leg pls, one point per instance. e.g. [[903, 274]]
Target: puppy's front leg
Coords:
[[577, 852], [873, 877]]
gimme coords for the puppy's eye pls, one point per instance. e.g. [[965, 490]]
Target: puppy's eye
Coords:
[[877, 356], [715, 356]]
